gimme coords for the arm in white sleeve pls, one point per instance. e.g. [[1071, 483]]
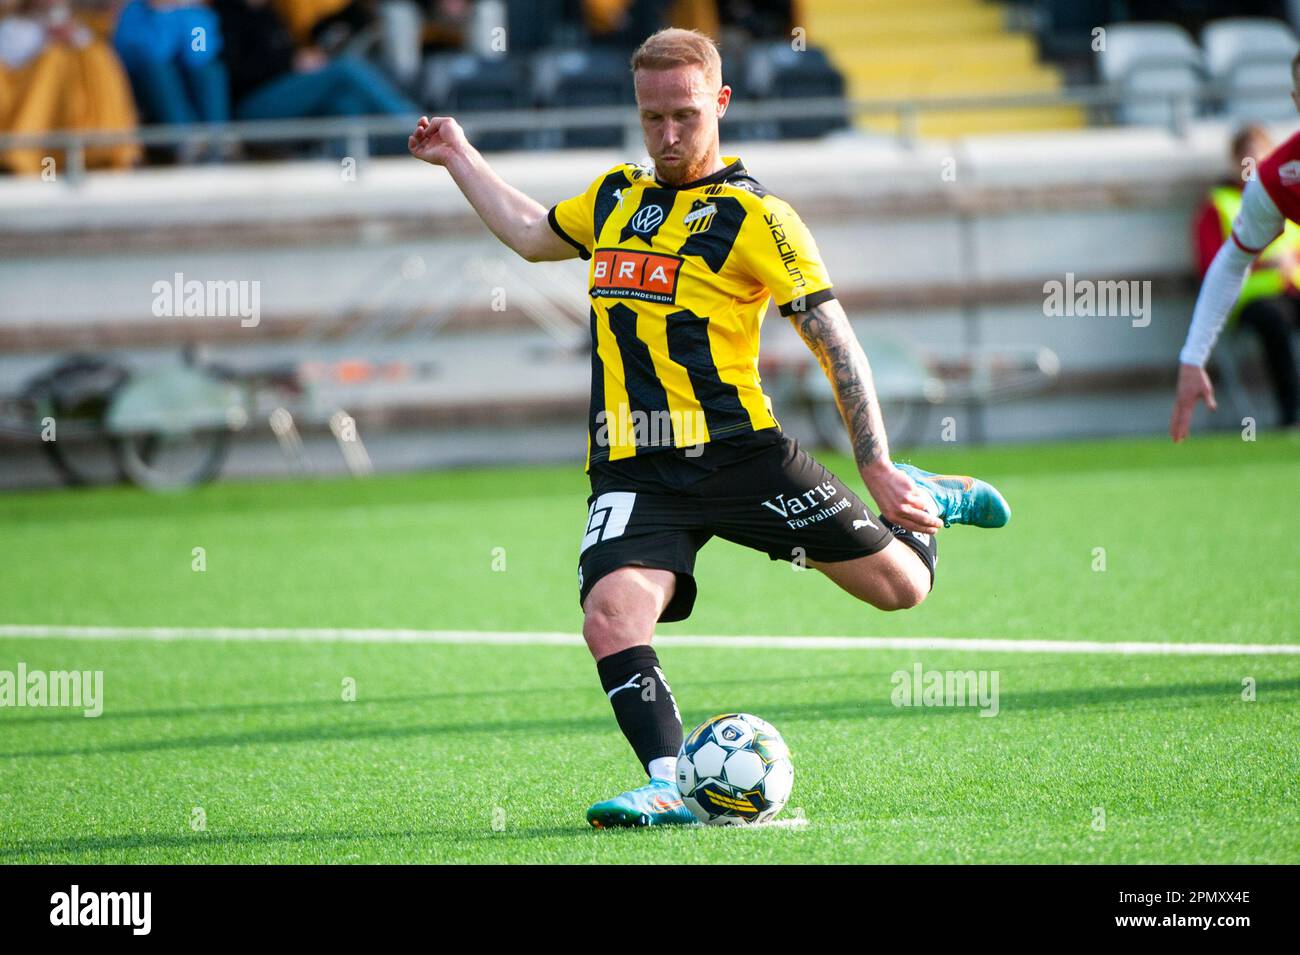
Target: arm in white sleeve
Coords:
[[1219, 291], [1258, 223]]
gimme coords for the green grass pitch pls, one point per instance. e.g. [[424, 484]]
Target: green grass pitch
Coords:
[[492, 753]]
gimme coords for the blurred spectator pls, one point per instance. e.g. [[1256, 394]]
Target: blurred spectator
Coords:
[[447, 24], [759, 19], [171, 52], [272, 79], [55, 74], [699, 15], [1268, 304], [354, 26], [300, 17], [623, 23]]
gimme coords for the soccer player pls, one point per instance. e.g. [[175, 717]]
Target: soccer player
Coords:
[[1269, 200], [685, 253]]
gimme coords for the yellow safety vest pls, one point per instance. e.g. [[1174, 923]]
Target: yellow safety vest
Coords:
[[1266, 280]]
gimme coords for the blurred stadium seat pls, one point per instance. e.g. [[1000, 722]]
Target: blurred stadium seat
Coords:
[[777, 72], [457, 83], [576, 77], [1251, 57], [1065, 27], [1143, 59]]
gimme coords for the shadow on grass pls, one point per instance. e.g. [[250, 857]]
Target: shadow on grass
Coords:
[[134, 842], [879, 707], [173, 712], [110, 715], [40, 717]]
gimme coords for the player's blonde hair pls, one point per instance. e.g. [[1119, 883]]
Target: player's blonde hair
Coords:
[[675, 47]]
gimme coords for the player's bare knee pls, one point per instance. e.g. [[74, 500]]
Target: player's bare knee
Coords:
[[619, 613], [909, 594], [611, 622], [902, 592]]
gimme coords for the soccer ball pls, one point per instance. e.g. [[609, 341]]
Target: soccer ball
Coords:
[[734, 770]]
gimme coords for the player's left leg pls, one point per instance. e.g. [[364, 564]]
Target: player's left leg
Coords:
[[960, 498], [784, 502], [902, 574], [895, 578]]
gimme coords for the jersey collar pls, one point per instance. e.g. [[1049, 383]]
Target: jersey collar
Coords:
[[733, 167]]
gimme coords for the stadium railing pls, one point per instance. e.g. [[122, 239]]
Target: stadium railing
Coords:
[[898, 119]]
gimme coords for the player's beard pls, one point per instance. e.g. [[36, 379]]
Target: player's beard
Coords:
[[697, 168]]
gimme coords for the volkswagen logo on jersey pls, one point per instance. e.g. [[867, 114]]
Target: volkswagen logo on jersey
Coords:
[[647, 220], [649, 216]]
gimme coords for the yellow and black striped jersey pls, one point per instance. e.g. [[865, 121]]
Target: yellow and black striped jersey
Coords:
[[679, 281]]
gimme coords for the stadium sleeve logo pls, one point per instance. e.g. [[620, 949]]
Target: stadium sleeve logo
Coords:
[[648, 276]]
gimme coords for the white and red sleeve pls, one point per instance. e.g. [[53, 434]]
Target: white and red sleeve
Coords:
[[1258, 223]]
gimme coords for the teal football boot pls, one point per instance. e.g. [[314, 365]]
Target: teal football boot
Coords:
[[962, 499], [657, 803]]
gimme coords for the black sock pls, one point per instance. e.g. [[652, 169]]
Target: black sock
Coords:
[[643, 702], [925, 545]]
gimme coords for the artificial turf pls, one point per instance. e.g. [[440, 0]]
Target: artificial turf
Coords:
[[491, 753]]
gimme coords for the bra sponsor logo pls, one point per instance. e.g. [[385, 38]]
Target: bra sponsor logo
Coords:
[[649, 276]]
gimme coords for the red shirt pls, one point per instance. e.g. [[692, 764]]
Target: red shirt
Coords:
[[1279, 174], [1207, 236]]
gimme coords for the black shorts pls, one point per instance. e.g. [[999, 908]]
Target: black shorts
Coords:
[[759, 489]]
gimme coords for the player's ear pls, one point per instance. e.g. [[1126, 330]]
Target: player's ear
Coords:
[[724, 97]]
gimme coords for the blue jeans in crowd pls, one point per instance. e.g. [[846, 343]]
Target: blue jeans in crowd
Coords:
[[347, 86], [173, 60]]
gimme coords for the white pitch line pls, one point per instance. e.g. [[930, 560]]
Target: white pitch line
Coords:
[[521, 637]]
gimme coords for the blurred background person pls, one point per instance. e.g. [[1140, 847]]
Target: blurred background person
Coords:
[[446, 24], [273, 78], [392, 28], [172, 52], [1268, 305], [56, 74], [623, 24], [759, 19]]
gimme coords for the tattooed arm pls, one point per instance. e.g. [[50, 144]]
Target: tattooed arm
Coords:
[[826, 331]]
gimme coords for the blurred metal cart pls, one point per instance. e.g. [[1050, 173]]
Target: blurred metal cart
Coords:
[[100, 419]]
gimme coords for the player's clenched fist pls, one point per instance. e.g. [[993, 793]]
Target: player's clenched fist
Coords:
[[436, 139]]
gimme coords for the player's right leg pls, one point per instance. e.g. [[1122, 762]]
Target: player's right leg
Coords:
[[619, 616], [636, 567], [622, 608]]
